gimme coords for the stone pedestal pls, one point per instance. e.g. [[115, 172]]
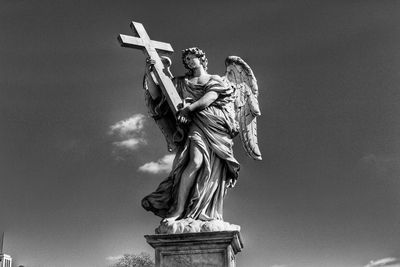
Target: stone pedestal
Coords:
[[209, 249]]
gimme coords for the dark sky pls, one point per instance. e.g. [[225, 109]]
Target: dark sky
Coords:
[[327, 190]]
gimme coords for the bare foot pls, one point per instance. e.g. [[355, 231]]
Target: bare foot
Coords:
[[170, 219]]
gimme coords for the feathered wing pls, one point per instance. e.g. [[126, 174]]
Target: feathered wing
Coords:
[[240, 76]]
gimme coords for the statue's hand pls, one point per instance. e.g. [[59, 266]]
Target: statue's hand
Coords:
[[231, 183], [184, 115], [150, 63]]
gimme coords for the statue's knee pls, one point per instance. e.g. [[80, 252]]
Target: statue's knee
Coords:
[[196, 157], [197, 162], [145, 204]]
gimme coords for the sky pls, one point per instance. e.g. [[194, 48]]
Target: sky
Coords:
[[79, 152]]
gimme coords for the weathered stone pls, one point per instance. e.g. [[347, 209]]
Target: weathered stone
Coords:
[[207, 249], [189, 225], [206, 111]]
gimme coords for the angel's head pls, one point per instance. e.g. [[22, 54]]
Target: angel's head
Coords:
[[197, 52]]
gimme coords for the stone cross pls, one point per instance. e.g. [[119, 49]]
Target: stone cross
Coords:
[[149, 48]]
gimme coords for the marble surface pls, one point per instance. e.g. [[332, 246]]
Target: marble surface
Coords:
[[203, 249], [194, 226]]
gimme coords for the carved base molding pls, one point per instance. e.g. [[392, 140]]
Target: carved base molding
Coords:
[[209, 249], [195, 226]]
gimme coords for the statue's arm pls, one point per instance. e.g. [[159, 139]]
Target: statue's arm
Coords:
[[206, 100], [150, 82]]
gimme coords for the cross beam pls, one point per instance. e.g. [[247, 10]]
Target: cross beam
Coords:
[[149, 48]]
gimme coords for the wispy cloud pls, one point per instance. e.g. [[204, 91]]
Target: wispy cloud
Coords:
[[131, 143], [130, 134], [130, 126], [380, 159], [114, 258], [162, 165], [379, 164], [392, 262]]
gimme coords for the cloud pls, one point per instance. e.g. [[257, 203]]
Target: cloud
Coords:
[[130, 144], [392, 262], [381, 165], [380, 159], [130, 133], [114, 258], [162, 165], [129, 127], [279, 265]]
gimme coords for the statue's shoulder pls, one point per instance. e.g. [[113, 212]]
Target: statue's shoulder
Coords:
[[182, 77], [178, 78], [216, 77], [217, 80]]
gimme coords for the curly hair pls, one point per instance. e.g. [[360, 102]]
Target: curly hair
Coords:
[[198, 53]]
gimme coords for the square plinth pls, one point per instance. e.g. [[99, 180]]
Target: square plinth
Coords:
[[209, 249]]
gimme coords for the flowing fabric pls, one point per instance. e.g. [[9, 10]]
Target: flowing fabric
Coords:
[[211, 130]]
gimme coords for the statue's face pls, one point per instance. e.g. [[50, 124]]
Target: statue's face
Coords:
[[192, 61]]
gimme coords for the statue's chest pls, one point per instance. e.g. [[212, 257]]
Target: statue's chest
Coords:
[[199, 80], [192, 89], [195, 92]]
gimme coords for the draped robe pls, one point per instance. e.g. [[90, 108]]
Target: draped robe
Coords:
[[212, 130]]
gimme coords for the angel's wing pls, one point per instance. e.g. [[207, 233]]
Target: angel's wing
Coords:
[[240, 76]]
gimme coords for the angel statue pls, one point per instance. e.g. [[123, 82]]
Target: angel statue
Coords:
[[215, 109]]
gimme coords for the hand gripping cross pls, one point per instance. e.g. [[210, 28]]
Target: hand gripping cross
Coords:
[[149, 48]]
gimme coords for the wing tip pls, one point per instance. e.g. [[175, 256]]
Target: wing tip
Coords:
[[257, 158]]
